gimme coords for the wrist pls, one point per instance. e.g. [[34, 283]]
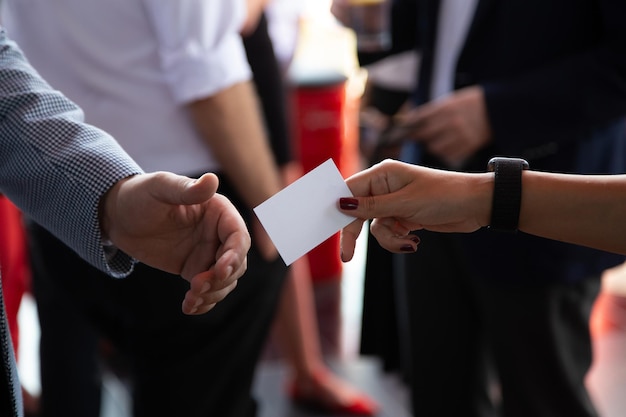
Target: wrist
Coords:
[[106, 211], [482, 197]]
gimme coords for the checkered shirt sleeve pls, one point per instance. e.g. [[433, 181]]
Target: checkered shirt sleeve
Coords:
[[53, 165]]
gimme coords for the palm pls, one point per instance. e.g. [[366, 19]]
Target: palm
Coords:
[[182, 233]]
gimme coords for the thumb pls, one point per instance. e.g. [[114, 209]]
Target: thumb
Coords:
[[178, 189], [201, 189]]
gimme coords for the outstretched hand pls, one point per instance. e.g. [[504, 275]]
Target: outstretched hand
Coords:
[[402, 198], [180, 225]]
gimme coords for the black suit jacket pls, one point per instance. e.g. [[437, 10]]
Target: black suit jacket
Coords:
[[554, 76]]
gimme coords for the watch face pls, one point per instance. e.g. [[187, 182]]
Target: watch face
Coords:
[[491, 166]]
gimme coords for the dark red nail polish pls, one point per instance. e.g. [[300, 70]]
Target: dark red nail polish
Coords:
[[415, 239], [348, 203], [407, 248]]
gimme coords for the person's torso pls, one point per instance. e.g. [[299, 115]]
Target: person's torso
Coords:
[[107, 57], [506, 38]]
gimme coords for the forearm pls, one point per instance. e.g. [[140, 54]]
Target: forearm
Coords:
[[585, 210], [53, 165], [230, 123]]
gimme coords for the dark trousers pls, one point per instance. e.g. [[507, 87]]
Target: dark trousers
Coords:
[[178, 365], [525, 345], [10, 396]]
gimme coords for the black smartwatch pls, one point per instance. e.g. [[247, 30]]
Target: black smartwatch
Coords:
[[507, 193]]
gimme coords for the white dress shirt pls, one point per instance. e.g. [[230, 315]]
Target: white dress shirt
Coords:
[[132, 65], [455, 17]]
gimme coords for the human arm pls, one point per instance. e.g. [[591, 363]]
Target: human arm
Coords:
[[51, 163], [401, 198], [529, 83], [563, 79], [230, 123], [57, 169], [453, 128], [212, 80]]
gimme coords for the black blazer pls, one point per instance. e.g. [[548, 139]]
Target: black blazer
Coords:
[[554, 76]]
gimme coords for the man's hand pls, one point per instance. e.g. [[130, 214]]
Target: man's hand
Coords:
[[452, 128], [181, 226]]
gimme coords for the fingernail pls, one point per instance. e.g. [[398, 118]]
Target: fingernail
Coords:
[[415, 239], [407, 248], [198, 302], [206, 286], [348, 203]]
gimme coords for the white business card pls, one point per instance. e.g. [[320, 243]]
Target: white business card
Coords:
[[305, 214]]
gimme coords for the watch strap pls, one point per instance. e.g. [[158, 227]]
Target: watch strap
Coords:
[[507, 193]]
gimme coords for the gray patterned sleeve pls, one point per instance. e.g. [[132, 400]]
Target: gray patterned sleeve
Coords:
[[53, 165]]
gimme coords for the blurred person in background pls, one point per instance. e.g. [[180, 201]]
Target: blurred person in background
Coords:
[[313, 384], [79, 183], [499, 321], [170, 80]]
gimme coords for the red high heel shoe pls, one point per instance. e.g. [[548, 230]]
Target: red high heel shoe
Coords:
[[313, 399]]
